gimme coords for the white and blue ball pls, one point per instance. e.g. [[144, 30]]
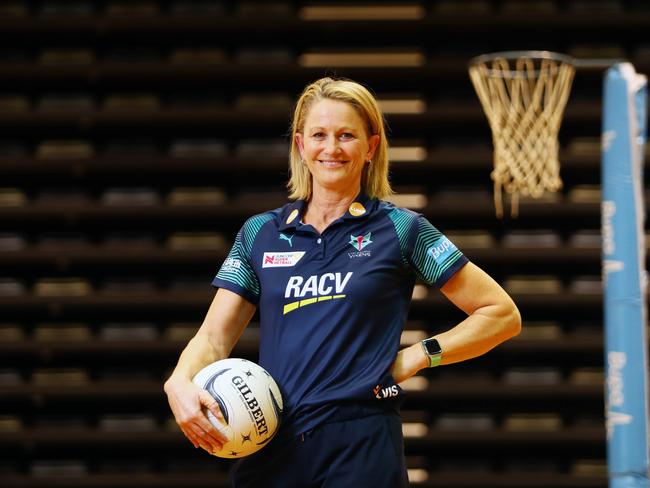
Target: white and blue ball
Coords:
[[250, 401]]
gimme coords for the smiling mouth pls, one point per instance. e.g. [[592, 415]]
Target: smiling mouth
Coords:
[[331, 163]]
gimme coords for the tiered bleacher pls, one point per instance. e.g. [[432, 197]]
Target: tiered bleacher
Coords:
[[137, 136]]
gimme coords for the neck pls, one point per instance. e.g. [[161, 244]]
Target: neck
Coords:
[[325, 206]]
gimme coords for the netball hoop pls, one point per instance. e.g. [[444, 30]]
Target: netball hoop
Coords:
[[523, 94]]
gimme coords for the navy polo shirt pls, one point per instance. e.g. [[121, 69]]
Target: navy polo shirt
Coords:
[[332, 305]]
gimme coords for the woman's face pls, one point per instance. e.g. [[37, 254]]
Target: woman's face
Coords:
[[335, 145]]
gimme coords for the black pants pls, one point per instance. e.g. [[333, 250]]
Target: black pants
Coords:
[[363, 452]]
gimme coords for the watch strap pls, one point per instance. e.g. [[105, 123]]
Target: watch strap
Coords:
[[435, 357]]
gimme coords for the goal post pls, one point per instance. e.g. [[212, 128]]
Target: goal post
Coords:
[[624, 275], [523, 94]]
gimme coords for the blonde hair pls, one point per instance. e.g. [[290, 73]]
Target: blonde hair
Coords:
[[374, 180]]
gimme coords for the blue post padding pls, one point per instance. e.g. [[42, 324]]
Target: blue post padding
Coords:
[[623, 216]]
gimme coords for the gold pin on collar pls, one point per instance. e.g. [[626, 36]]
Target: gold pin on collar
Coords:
[[292, 215], [356, 209]]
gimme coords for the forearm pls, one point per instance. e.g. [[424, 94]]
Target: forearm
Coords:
[[198, 353], [481, 331], [224, 323], [477, 334]]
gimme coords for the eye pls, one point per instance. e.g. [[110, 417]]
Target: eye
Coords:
[[347, 135], [318, 135]]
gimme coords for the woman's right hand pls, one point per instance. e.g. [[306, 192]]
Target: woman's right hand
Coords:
[[188, 403]]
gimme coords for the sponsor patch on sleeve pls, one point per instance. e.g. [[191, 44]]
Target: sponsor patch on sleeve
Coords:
[[231, 265], [442, 249]]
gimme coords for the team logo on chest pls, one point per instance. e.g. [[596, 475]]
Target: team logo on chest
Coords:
[[359, 243]]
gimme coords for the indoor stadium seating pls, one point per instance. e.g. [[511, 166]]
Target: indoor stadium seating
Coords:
[[137, 136]]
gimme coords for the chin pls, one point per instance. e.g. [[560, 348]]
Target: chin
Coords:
[[336, 183]]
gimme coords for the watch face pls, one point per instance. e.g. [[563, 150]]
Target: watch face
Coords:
[[432, 347]]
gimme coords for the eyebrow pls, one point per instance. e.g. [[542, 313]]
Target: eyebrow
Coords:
[[323, 128]]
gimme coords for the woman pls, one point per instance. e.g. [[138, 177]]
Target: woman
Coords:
[[333, 274]]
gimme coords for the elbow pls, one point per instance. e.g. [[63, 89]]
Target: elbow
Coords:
[[507, 321], [512, 324]]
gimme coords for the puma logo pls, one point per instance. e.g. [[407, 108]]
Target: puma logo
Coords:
[[285, 238]]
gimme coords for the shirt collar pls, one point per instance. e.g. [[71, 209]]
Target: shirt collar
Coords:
[[361, 207], [292, 215]]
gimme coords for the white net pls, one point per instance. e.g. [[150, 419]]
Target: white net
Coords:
[[523, 95]]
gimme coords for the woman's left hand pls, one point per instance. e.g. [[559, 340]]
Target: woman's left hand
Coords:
[[408, 362]]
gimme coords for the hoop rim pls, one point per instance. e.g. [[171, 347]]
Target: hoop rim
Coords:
[[513, 55]]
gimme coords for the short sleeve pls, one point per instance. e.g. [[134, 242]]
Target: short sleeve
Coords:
[[236, 273], [433, 257]]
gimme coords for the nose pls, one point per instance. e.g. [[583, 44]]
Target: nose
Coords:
[[332, 145]]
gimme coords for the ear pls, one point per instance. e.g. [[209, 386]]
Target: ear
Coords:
[[373, 144], [300, 144]]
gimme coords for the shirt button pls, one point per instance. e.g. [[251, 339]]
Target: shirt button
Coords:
[[319, 240]]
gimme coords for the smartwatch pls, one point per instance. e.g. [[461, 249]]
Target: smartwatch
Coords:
[[432, 349]]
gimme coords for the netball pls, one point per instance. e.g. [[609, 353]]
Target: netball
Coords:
[[250, 401]]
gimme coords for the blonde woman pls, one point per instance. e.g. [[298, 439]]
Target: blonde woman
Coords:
[[332, 273]]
